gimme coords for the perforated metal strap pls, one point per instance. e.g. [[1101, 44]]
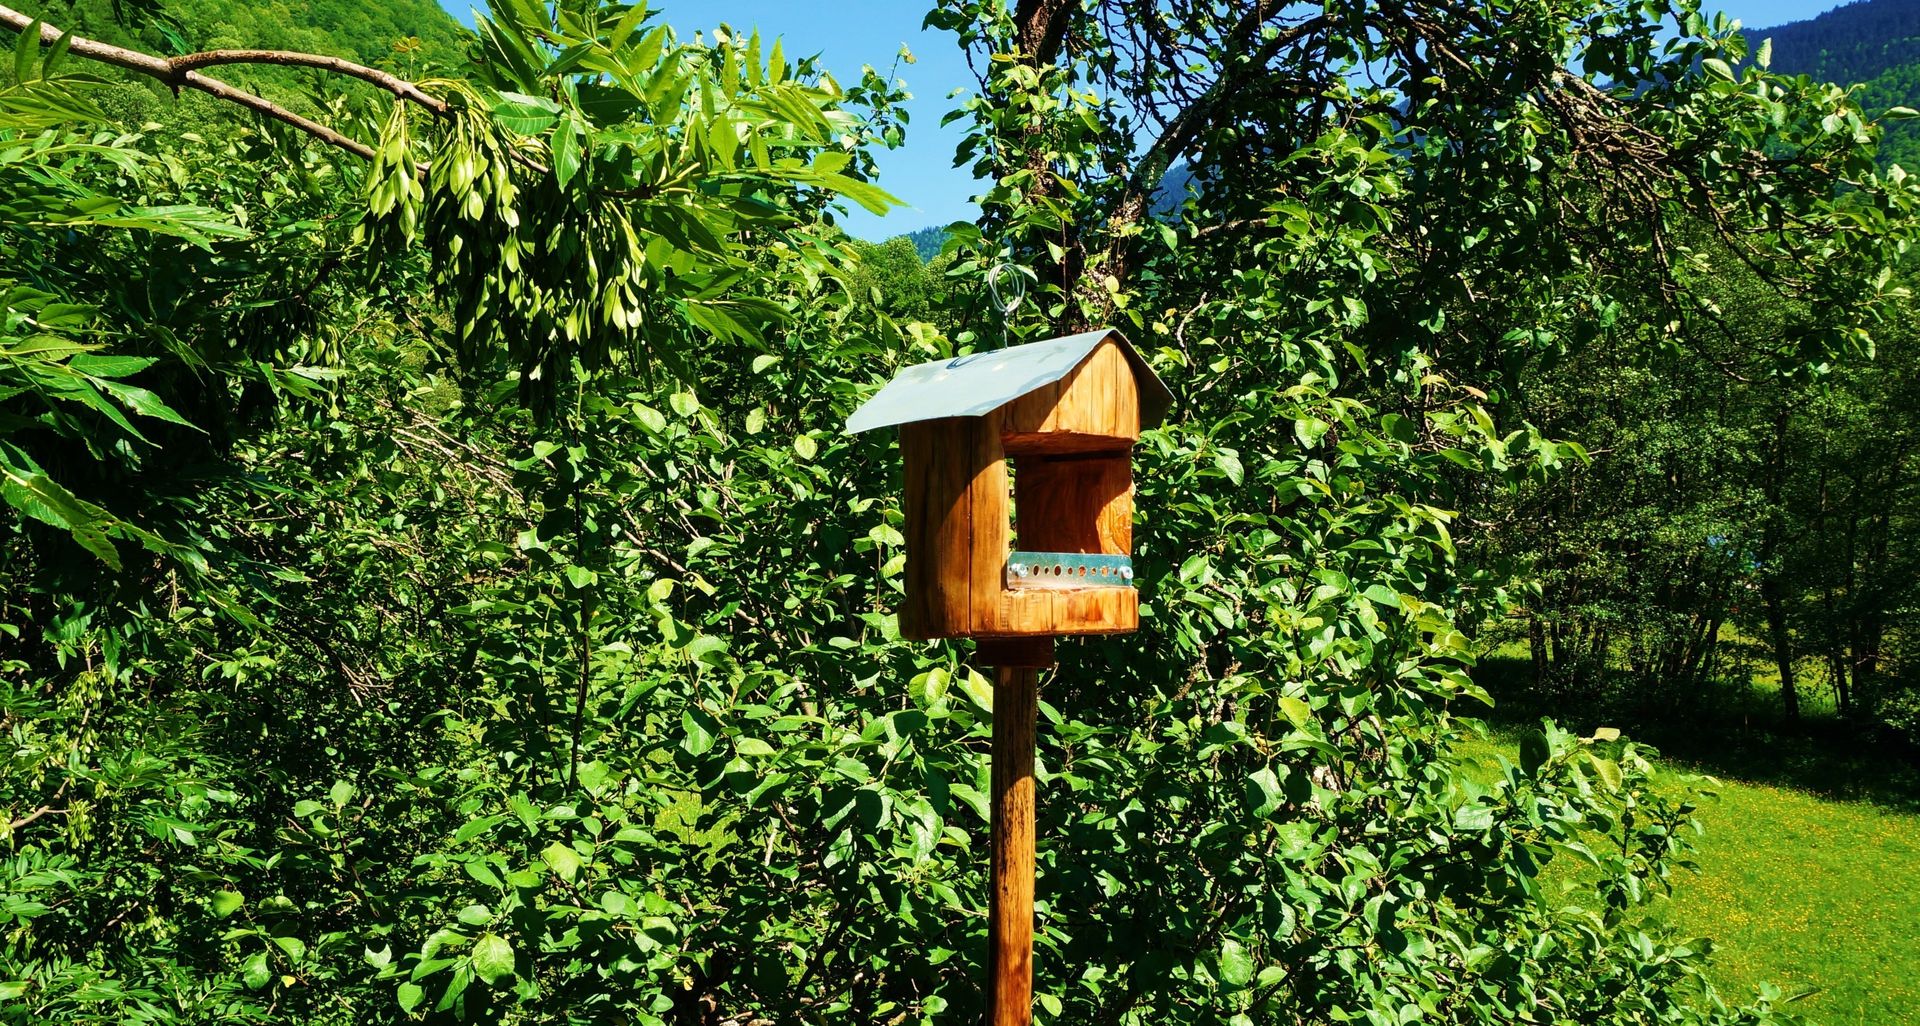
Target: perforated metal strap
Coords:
[[1075, 569]]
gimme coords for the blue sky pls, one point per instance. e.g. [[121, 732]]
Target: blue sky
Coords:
[[850, 33]]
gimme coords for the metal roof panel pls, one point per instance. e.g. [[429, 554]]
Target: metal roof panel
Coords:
[[979, 383]]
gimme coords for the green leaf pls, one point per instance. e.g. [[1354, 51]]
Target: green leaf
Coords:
[[1236, 965], [978, 690], [87, 394], [198, 225], [1194, 568], [1297, 712], [566, 150], [1228, 462], [226, 903], [526, 115], [98, 366], [475, 827], [25, 51], [492, 958], [1473, 818], [698, 740], [410, 995], [563, 860], [55, 53], [1607, 770], [36, 495], [707, 649], [624, 29], [1263, 791], [1534, 752], [255, 972], [875, 199]]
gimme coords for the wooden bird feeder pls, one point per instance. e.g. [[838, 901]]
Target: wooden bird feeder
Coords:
[[1017, 558], [1065, 413]]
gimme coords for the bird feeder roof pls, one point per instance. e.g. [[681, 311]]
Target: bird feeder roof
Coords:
[[978, 384]]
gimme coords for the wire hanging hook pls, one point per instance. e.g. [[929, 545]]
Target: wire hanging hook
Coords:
[[1007, 284], [1006, 279]]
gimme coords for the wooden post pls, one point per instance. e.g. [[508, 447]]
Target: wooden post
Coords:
[[1016, 699]]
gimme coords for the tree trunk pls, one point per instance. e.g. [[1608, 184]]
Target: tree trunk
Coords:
[[1537, 646], [1782, 644], [1773, 583], [1699, 660]]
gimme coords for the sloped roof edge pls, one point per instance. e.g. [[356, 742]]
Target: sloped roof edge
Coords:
[[979, 383]]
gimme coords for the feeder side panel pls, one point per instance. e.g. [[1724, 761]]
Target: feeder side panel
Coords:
[[990, 498], [937, 507]]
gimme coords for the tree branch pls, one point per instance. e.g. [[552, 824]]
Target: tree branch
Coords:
[[1185, 127], [392, 83], [180, 72], [44, 810], [1043, 28]]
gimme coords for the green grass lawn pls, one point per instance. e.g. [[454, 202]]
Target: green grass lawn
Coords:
[[1810, 894], [1807, 893]]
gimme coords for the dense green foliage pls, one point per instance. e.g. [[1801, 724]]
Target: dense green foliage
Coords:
[[438, 587], [1733, 501], [897, 281], [355, 29], [1728, 500]]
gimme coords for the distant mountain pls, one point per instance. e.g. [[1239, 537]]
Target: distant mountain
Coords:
[[1174, 188], [1872, 42], [1854, 42], [927, 241]]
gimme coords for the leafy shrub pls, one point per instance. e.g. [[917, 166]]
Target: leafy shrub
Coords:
[[596, 711]]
